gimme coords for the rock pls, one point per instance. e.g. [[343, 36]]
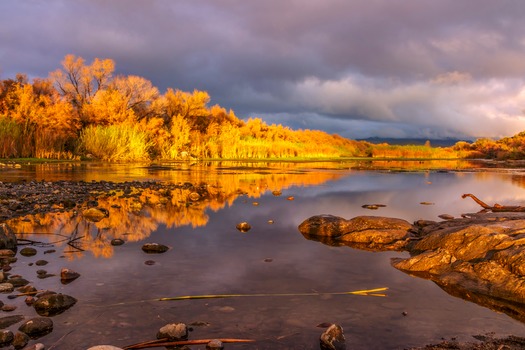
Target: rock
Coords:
[[95, 214], [6, 287], [8, 308], [324, 225], [478, 257], [10, 320], [173, 331], [28, 251], [26, 289], [6, 253], [117, 242], [37, 327], [20, 340], [7, 237], [363, 232], [41, 262], [333, 338], [18, 281], [194, 196], [6, 337], [53, 304], [104, 347], [154, 248], [67, 275], [214, 344], [243, 227], [38, 346]]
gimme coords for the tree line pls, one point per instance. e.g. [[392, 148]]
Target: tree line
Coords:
[[85, 110]]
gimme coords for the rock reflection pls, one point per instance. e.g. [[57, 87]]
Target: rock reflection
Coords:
[[132, 213], [479, 258]]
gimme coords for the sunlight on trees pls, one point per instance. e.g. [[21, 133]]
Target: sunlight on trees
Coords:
[[84, 110]]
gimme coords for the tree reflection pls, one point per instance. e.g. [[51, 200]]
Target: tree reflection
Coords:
[[135, 213]]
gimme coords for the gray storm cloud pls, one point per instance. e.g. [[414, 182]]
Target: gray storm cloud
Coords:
[[382, 67]]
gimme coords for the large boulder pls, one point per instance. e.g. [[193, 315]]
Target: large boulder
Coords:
[[364, 232], [479, 257]]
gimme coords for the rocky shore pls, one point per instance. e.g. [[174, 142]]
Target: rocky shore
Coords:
[[478, 257]]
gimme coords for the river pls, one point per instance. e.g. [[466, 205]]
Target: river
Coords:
[[119, 284]]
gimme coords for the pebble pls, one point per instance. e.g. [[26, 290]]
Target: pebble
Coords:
[[28, 251], [333, 338], [117, 242], [214, 344], [6, 288], [20, 340], [173, 331], [243, 226], [68, 275]]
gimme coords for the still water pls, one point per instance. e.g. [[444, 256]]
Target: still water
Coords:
[[208, 255]]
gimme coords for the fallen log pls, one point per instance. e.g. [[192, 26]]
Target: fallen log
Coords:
[[496, 207]]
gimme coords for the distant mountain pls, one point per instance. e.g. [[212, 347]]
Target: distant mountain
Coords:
[[414, 141]]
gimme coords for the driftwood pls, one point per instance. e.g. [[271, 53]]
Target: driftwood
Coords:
[[496, 207], [164, 343]]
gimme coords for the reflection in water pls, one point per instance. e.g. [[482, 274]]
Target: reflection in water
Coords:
[[135, 214]]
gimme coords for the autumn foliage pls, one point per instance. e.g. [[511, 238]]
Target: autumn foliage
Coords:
[[85, 110]]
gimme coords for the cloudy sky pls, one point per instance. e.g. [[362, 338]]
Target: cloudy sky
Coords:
[[359, 68]]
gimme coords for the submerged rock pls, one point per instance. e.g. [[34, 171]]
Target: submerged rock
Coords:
[[20, 340], [37, 327], [10, 320], [53, 304], [28, 251], [68, 276], [6, 337], [154, 248]]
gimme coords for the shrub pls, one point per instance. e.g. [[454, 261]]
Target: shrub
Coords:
[[114, 143]]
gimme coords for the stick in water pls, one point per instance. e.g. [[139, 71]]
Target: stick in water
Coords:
[[365, 292]]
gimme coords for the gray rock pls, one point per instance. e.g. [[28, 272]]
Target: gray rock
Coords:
[[37, 327], [173, 331], [7, 237], [53, 304], [333, 338]]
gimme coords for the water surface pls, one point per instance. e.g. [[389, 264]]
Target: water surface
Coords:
[[209, 255]]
